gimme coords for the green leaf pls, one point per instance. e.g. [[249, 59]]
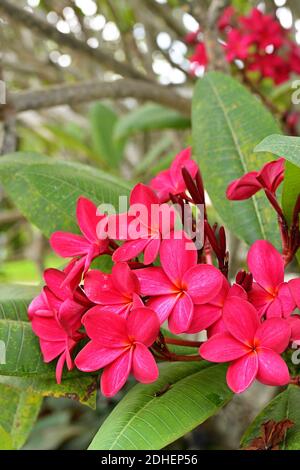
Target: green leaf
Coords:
[[291, 189], [146, 420], [228, 122], [19, 410], [149, 117], [284, 406], [21, 362], [282, 146], [103, 121], [46, 190]]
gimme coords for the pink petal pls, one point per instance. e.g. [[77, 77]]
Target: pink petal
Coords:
[[54, 280], [153, 281], [94, 282], [272, 174], [129, 250], [274, 334], [39, 303], [272, 370], [59, 367], [294, 286], [218, 327], [241, 319], [93, 357], [237, 291], [202, 282], [266, 265], [52, 349], [274, 309], [260, 298], [142, 194], [68, 244], [182, 314], [69, 316], [151, 250], [144, 367], [162, 305], [107, 329], [125, 280], [182, 160], [222, 347], [176, 257], [87, 218], [244, 187], [294, 323], [204, 316], [242, 373], [48, 329], [286, 298], [115, 375], [162, 185], [143, 325]]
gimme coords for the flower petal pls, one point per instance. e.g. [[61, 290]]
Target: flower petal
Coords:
[[144, 367], [242, 373], [153, 281], [177, 255], [274, 334], [241, 319], [294, 286], [125, 280], [143, 325], [204, 316], [129, 250], [87, 218], [266, 265], [244, 187], [115, 375], [286, 298], [142, 194], [272, 370], [162, 305], [222, 347], [48, 328], [107, 329], [69, 244], [93, 357], [54, 280], [151, 250], [182, 314], [202, 282], [95, 282]]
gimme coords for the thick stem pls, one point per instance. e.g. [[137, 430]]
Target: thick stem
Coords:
[[182, 342]]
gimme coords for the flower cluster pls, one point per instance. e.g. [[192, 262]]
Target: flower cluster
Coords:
[[160, 276], [258, 40]]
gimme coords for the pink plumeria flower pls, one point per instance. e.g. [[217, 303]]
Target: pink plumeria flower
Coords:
[[148, 222], [226, 18], [237, 46], [263, 29], [199, 58], [56, 322], [171, 181], [118, 292], [209, 316], [84, 248], [180, 284], [120, 346], [253, 347], [269, 177], [269, 294]]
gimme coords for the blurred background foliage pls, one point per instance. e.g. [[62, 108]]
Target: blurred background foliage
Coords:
[[130, 137]]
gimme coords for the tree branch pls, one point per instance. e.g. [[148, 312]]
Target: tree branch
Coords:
[[95, 90], [164, 12], [43, 28]]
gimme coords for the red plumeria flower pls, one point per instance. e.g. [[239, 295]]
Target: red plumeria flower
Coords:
[[237, 46], [269, 177], [270, 294], [271, 66], [55, 316], [199, 58], [120, 346], [84, 247], [209, 316], [263, 29], [146, 224], [118, 292], [253, 347], [171, 181], [225, 19], [180, 284], [192, 37]]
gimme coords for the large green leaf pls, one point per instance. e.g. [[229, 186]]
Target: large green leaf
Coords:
[[282, 146], [284, 406], [103, 121], [22, 365], [149, 117], [19, 410], [146, 419], [46, 190], [228, 122]]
